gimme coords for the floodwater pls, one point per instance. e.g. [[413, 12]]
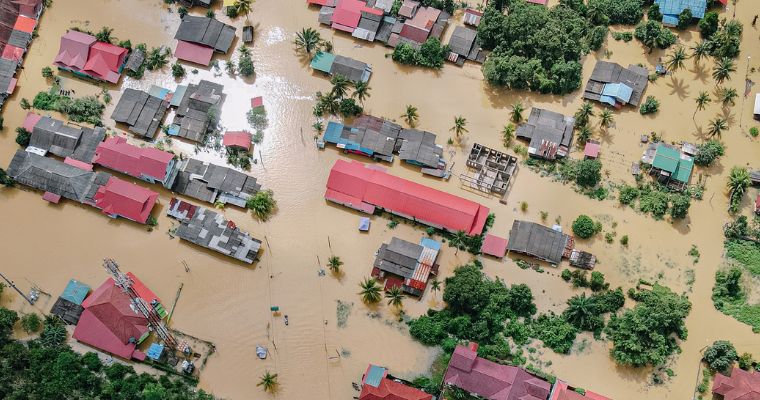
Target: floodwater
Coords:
[[228, 303]]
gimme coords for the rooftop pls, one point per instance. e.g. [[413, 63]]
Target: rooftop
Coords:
[[212, 183], [738, 385], [209, 32], [120, 198], [53, 136], [550, 133], [141, 162], [634, 78], [537, 241], [377, 386], [141, 112]]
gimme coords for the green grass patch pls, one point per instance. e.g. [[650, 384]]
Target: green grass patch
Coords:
[[745, 252]]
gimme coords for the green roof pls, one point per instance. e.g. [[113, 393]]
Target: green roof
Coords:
[[666, 159], [323, 62], [683, 173]]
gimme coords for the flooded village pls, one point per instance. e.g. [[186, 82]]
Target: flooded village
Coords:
[[319, 199]]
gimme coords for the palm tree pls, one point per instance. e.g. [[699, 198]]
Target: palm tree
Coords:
[[702, 101], [517, 110], [395, 297], [700, 50], [104, 35], [606, 118], [728, 96], [435, 285], [244, 7], [334, 264], [738, 182], [581, 312], [584, 134], [268, 382], [340, 85], [458, 240], [410, 115], [723, 69], [370, 291], [459, 126], [361, 91], [584, 113], [717, 126], [307, 40], [676, 59], [508, 134]]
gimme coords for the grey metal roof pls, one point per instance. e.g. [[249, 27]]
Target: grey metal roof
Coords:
[[326, 15], [385, 30], [192, 112], [20, 39], [142, 112], [351, 69], [62, 140], [635, 77], [537, 241], [546, 126], [88, 143], [135, 60], [51, 175], [69, 312], [205, 181], [462, 40], [206, 31], [399, 257], [8, 67], [419, 147]]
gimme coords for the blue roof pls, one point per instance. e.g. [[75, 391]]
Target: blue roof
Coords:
[[179, 93], [333, 135], [374, 375], [607, 100], [75, 291], [364, 224], [154, 351], [430, 243], [173, 130], [670, 20], [674, 7], [619, 91]]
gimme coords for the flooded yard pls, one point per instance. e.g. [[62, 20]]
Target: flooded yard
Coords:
[[228, 303]]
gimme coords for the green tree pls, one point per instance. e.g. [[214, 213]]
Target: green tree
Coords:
[[654, 13], [435, 285], [243, 7], [508, 134], [182, 11], [268, 382], [720, 356], [104, 35], [262, 204], [653, 35], [340, 85], [24, 104], [584, 113], [589, 173], [47, 72], [684, 18], [606, 118], [728, 96], [717, 126], [584, 227], [700, 50], [458, 240], [178, 71], [584, 134], [581, 312], [723, 69], [6, 181], [370, 291], [245, 62], [702, 100], [395, 297], [517, 110], [738, 182], [649, 106], [23, 136], [334, 263], [708, 25], [597, 283], [156, 58], [520, 300], [676, 59], [459, 127], [361, 91], [708, 152], [8, 319], [410, 115], [31, 323], [680, 206], [307, 40]]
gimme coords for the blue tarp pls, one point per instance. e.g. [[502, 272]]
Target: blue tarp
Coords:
[[158, 91], [607, 100], [374, 375], [430, 244], [674, 7], [154, 351], [364, 224], [173, 130], [619, 91], [333, 135], [75, 292]]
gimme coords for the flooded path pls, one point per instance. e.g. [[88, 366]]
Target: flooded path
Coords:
[[228, 303]]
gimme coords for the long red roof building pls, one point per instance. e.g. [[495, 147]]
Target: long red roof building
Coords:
[[119, 198], [738, 385], [377, 386], [362, 188], [146, 163]]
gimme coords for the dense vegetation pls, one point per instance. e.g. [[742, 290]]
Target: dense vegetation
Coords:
[[657, 200], [431, 54], [708, 152], [84, 109]]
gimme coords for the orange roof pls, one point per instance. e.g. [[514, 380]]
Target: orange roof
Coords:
[[25, 24]]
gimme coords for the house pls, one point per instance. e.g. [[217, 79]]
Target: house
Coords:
[[591, 150], [199, 37], [669, 165], [209, 229], [539, 241], [494, 246], [378, 385], [52, 136], [463, 44], [214, 184], [671, 9], [423, 25], [408, 8], [118, 198], [192, 3], [83, 55], [616, 86], [68, 306], [472, 17], [369, 136], [491, 168], [490, 380], [135, 60], [366, 189], [756, 108], [28, 8], [419, 148], [110, 323], [240, 140], [738, 385], [147, 163], [141, 112], [331, 64], [549, 133], [406, 265], [754, 176], [369, 25], [348, 14], [7, 78], [192, 117], [562, 391]]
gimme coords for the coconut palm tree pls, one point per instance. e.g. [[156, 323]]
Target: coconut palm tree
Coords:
[[581, 312], [459, 126], [334, 264], [584, 113], [307, 40], [676, 59], [606, 118], [395, 297], [738, 182], [268, 382], [104, 35], [584, 134], [728, 96], [435, 285], [717, 126], [340, 85], [700, 50], [361, 91], [458, 240], [517, 110], [370, 291], [508, 134], [244, 7], [410, 115], [723, 69], [702, 101]]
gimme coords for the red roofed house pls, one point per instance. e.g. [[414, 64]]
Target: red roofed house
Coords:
[[119, 198], [25, 24], [348, 13], [194, 52], [561, 391], [110, 324], [490, 380], [355, 185], [83, 55], [377, 386], [147, 163], [239, 140], [418, 28], [740, 385]]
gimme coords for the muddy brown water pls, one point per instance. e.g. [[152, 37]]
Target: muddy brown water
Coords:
[[228, 303]]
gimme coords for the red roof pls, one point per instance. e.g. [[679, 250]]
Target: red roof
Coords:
[[13, 53], [257, 102], [78, 164], [757, 203], [75, 46], [739, 385], [592, 150], [390, 390], [143, 291], [418, 28], [109, 323], [361, 187], [494, 246], [124, 199], [493, 381], [561, 391], [31, 120], [141, 162], [105, 61], [348, 13], [25, 24], [241, 139], [195, 53], [51, 197]]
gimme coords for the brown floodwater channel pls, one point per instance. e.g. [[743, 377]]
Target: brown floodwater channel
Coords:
[[229, 303]]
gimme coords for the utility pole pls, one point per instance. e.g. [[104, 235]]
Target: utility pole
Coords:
[[11, 284], [744, 98]]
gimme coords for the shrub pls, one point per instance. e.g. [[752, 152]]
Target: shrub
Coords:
[[23, 136], [628, 194], [684, 19], [178, 71], [680, 206], [31, 323], [431, 54], [349, 108], [754, 131], [597, 282], [653, 35], [47, 72], [708, 25], [589, 173], [566, 275], [262, 204], [654, 13], [708, 152], [650, 106], [584, 227], [556, 333], [746, 362], [720, 356]]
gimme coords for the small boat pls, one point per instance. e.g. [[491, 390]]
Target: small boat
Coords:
[[247, 34], [286, 320]]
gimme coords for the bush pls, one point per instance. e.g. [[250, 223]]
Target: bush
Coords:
[[708, 152], [720, 356], [680, 206], [589, 173], [624, 36], [597, 282], [708, 25], [349, 108], [650, 106], [262, 204], [628, 194], [746, 362], [31, 323], [654, 13], [626, 12], [597, 36], [245, 65], [584, 227], [684, 19], [178, 71], [566, 274], [754, 131], [431, 54], [624, 240], [47, 72], [556, 333], [23, 136], [653, 35]]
